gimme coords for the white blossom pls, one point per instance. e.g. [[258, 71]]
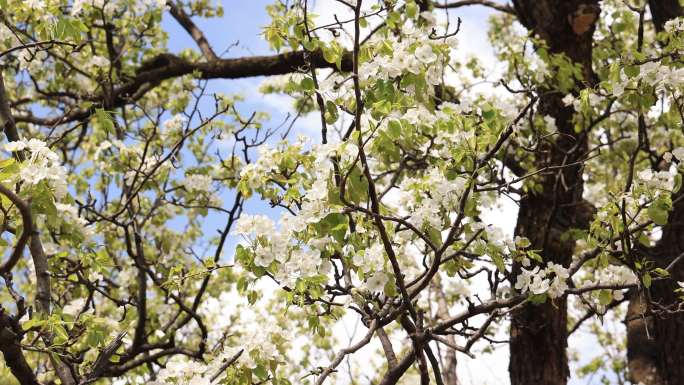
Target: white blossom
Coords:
[[678, 153], [99, 62], [74, 307], [175, 124], [42, 165], [674, 25], [254, 224], [377, 281], [425, 54], [568, 100], [198, 183]]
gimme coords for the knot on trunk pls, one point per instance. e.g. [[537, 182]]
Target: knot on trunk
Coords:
[[583, 19]]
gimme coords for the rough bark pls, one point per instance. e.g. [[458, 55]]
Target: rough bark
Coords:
[[655, 323], [539, 332], [12, 352], [642, 352], [664, 10], [669, 327], [655, 353]]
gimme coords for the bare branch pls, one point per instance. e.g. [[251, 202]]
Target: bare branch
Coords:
[[167, 66], [486, 3], [186, 22], [344, 352]]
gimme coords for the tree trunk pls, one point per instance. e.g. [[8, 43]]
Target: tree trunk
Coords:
[[655, 353], [669, 327], [664, 10], [539, 332], [655, 343], [642, 352]]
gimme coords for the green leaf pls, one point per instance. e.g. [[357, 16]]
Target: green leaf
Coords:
[[68, 28], [394, 129], [411, 9], [647, 280], [434, 235], [498, 261], [391, 288], [537, 299], [61, 335], [488, 114], [105, 119], [605, 297], [252, 297], [7, 162], [632, 71], [533, 255], [308, 84], [331, 113], [261, 372], [42, 202], [95, 337], [658, 213], [329, 55], [334, 224], [644, 240], [310, 45], [522, 242], [242, 255], [357, 186], [32, 323]]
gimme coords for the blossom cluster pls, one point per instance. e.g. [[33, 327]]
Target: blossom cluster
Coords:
[[410, 53], [551, 280], [42, 164], [294, 259]]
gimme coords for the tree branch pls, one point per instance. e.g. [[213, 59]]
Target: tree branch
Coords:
[[42, 303], [387, 348], [25, 233], [186, 22], [486, 3], [6, 120], [348, 350], [103, 359], [167, 66], [12, 353]]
